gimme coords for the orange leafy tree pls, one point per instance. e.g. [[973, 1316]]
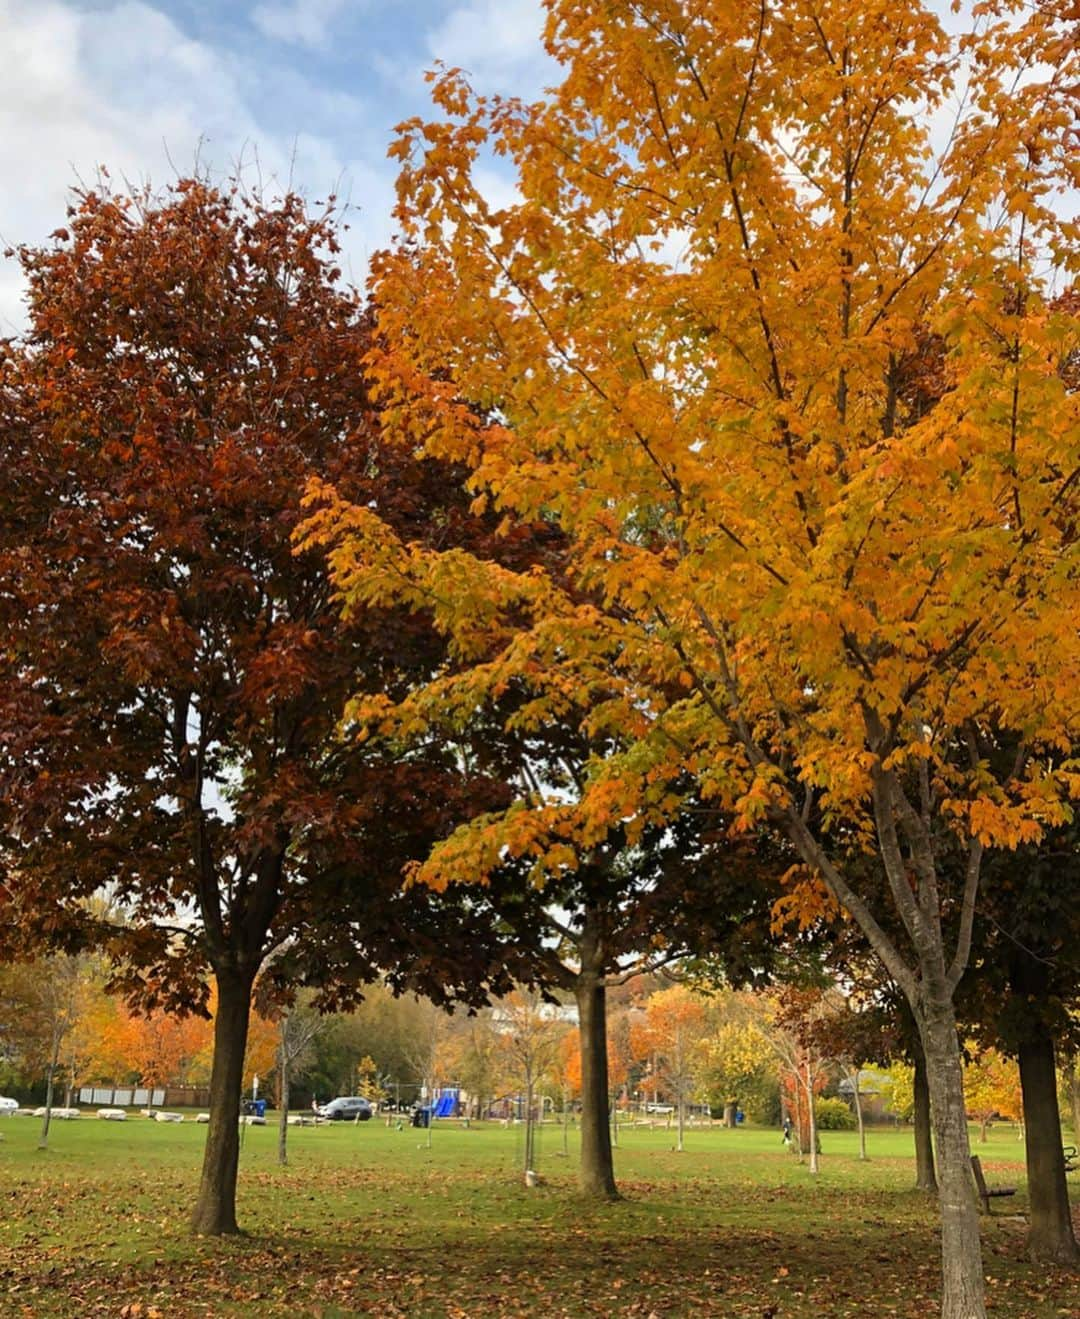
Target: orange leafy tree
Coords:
[[564, 1072], [163, 1046], [260, 1056], [795, 1036], [825, 600], [672, 1038], [111, 1032]]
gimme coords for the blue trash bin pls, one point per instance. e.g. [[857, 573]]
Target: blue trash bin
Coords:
[[258, 1108]]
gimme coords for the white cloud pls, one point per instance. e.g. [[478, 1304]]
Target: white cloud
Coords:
[[126, 88], [300, 22], [497, 41], [499, 187], [122, 83]]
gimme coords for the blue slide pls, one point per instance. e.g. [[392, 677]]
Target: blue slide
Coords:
[[446, 1104]]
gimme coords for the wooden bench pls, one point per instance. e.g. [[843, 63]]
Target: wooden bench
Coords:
[[1070, 1157], [987, 1193]]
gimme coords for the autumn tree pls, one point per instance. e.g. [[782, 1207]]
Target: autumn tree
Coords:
[[430, 1053], [299, 1026], [589, 913], [796, 1013], [79, 1047], [587, 904], [1021, 999], [673, 1034], [475, 1059], [48, 1001], [174, 675], [110, 1032], [564, 1073], [530, 1035], [992, 1089], [736, 1058], [163, 1045], [732, 225]]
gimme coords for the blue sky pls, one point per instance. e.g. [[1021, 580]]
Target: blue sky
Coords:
[[313, 87]]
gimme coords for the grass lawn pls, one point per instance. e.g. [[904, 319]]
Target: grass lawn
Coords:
[[367, 1220]]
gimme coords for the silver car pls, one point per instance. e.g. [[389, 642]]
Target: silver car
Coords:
[[347, 1109]]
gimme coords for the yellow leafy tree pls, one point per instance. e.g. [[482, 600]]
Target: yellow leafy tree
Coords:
[[736, 1056], [901, 1089], [367, 1080], [992, 1088], [100, 1044], [783, 359]]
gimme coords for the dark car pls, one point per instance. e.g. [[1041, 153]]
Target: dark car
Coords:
[[351, 1109]]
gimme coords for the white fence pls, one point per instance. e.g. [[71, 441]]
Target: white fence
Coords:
[[121, 1097]]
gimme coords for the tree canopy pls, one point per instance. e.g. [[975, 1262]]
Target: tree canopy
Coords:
[[174, 673], [819, 587]]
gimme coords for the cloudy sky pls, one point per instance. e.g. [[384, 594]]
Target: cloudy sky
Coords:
[[313, 87]]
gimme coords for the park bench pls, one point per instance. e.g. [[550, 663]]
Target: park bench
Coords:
[[987, 1193], [1070, 1157]]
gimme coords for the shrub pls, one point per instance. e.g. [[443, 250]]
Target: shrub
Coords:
[[833, 1115]]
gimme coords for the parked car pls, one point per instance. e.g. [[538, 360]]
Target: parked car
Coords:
[[8, 1106], [347, 1109]]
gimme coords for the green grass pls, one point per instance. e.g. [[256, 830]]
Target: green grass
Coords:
[[368, 1220]]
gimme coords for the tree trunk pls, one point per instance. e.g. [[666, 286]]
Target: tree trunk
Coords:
[[597, 1176], [283, 1086], [43, 1139], [215, 1208], [925, 1178], [529, 1124], [961, 1254], [858, 1113], [798, 1127], [811, 1119], [1050, 1231], [681, 1110], [729, 1115]]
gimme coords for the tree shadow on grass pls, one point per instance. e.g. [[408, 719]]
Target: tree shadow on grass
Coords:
[[547, 1256]]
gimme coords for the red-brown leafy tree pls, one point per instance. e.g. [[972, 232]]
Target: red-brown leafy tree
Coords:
[[173, 674]]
